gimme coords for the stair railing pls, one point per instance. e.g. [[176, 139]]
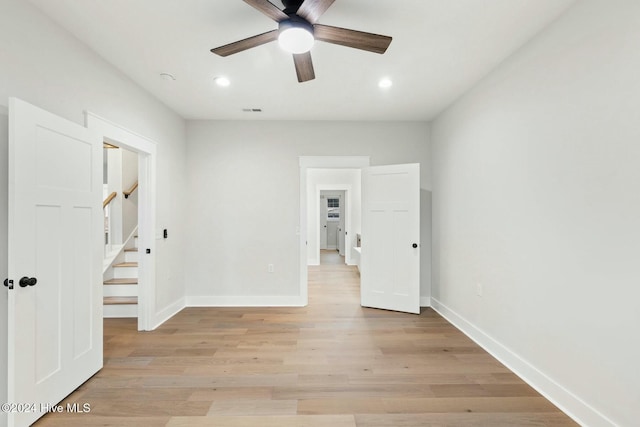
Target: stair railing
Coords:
[[130, 190]]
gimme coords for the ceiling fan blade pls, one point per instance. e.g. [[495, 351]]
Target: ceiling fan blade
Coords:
[[311, 10], [239, 46], [352, 38], [304, 67], [268, 8]]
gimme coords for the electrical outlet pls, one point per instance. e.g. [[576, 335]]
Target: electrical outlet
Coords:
[[270, 268], [479, 289]]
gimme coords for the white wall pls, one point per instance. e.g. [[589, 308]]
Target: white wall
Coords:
[[537, 197], [114, 185], [4, 166], [332, 177], [122, 167], [244, 201], [46, 66]]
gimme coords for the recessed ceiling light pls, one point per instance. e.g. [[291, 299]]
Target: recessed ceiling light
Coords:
[[222, 81], [385, 83], [167, 76]]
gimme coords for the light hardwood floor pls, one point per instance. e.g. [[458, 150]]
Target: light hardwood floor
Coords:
[[331, 364]]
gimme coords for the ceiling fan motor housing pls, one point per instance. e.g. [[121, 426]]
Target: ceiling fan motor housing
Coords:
[[295, 21], [291, 6]]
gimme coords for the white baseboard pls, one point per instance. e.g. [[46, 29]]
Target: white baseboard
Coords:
[[117, 311], [569, 403], [168, 312], [245, 301]]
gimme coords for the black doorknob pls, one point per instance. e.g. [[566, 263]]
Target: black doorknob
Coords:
[[27, 281], [415, 245]]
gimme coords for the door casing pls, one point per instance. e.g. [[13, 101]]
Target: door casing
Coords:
[[146, 149]]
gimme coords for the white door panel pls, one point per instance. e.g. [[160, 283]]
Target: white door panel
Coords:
[[332, 235], [342, 226], [323, 222], [390, 264], [55, 219]]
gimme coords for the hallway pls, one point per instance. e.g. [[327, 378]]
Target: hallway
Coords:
[[330, 256], [331, 364]]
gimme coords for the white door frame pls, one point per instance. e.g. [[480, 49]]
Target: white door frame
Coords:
[[146, 150], [347, 212], [317, 162]]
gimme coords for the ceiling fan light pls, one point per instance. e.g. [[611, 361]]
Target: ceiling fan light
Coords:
[[295, 37]]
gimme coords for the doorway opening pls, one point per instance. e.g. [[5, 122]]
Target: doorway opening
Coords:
[[332, 226], [145, 149], [390, 216], [121, 252], [327, 174]]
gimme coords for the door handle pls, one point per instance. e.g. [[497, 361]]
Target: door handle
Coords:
[[27, 281], [414, 246]]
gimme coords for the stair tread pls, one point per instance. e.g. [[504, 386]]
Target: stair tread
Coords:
[[126, 264], [131, 281], [120, 300]]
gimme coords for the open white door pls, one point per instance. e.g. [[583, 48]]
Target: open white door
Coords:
[[390, 260], [55, 220], [322, 233], [342, 226]]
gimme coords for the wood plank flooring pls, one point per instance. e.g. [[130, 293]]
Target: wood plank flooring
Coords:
[[331, 364]]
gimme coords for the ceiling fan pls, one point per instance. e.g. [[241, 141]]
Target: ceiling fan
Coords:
[[298, 29]]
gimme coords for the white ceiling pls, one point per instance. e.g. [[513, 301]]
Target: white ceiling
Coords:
[[440, 49]]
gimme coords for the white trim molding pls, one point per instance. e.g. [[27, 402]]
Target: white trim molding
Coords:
[[168, 312], [569, 403]]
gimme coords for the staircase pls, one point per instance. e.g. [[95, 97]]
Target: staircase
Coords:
[[120, 288]]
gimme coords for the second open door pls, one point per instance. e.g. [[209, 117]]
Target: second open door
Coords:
[[390, 260]]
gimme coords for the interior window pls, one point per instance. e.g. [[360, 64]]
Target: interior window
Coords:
[[333, 208]]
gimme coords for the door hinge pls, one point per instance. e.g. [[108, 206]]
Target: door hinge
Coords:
[[8, 283]]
